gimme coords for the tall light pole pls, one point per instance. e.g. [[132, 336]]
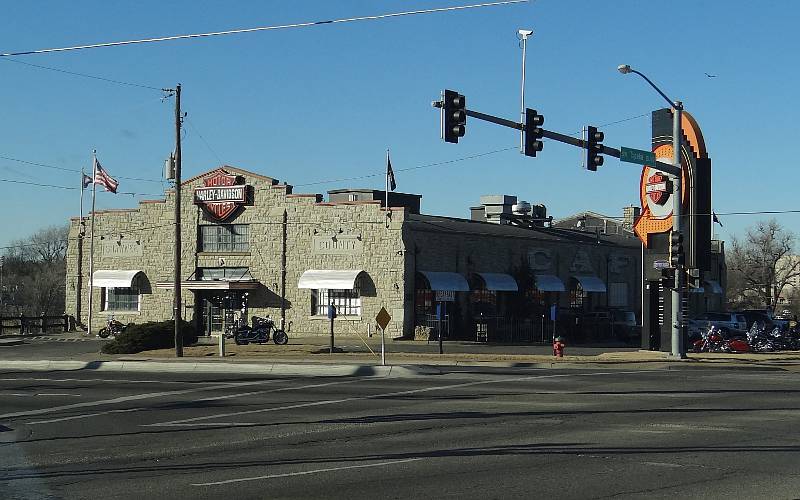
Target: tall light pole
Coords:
[[523, 35], [678, 347]]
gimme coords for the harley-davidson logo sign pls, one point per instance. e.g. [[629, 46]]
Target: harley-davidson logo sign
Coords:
[[658, 188], [220, 195]]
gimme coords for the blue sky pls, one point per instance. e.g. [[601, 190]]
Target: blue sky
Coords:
[[312, 105]]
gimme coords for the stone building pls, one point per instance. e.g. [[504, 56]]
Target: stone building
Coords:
[[253, 247]]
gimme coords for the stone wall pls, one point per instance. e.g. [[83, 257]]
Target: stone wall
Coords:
[[150, 228]]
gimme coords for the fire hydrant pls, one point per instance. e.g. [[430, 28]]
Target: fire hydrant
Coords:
[[558, 347]]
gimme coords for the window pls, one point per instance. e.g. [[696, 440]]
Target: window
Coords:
[[577, 296], [618, 294], [224, 238], [121, 299], [347, 302], [223, 273]]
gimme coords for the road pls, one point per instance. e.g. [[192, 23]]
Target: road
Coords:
[[693, 433]]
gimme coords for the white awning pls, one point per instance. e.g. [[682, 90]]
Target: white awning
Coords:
[[453, 282], [591, 283], [328, 279], [499, 282], [713, 286], [113, 278], [549, 283]]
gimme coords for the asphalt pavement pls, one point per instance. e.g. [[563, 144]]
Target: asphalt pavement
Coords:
[[688, 433]]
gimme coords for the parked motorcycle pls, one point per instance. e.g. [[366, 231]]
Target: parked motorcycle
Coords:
[[716, 340], [112, 329], [260, 332]]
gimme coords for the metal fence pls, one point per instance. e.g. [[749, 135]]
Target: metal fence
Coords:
[[432, 321], [511, 330], [36, 324]]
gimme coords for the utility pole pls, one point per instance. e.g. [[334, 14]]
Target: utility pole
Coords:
[[177, 277]]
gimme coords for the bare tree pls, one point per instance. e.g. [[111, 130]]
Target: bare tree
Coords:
[[34, 272], [761, 265]]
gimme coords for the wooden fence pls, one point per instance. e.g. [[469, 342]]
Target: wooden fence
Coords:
[[35, 324]]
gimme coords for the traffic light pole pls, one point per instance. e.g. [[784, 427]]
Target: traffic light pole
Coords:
[[678, 348], [549, 134]]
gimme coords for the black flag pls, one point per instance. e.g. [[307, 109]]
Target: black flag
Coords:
[[390, 173]]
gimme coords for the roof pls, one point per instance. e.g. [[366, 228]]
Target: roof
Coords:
[[232, 170], [420, 222]]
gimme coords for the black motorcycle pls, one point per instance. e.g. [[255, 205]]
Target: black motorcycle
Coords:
[[259, 333], [112, 328]]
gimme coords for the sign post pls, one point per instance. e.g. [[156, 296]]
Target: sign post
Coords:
[[383, 319], [331, 316]]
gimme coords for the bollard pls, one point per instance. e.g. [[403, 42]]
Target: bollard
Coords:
[[222, 344]]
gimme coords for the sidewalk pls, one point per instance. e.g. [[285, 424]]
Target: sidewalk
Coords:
[[310, 356]]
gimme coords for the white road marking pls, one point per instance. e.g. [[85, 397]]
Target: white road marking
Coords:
[[126, 381], [32, 394], [227, 396], [190, 421], [307, 472], [135, 397]]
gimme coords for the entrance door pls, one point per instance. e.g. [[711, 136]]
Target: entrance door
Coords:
[[219, 310]]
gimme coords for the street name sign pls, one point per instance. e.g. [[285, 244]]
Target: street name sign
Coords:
[[639, 156]]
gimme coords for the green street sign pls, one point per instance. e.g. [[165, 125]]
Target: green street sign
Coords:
[[639, 156]]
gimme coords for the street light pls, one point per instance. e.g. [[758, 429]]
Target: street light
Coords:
[[678, 348]]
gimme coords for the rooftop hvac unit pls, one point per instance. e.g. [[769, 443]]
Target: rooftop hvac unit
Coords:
[[521, 208]]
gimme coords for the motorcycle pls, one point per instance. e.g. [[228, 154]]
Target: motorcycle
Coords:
[[259, 333], [112, 329], [715, 340]]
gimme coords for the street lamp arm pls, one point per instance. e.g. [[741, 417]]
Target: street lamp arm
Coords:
[[673, 104]]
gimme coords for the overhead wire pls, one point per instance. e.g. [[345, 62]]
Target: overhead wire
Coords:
[[263, 28], [84, 75]]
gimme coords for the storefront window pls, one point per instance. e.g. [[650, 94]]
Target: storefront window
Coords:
[[577, 296], [424, 302], [347, 302], [224, 238], [121, 299]]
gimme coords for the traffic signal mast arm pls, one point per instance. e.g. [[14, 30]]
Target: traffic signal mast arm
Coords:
[[549, 134]]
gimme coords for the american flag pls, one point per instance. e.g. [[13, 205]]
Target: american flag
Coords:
[[102, 178]]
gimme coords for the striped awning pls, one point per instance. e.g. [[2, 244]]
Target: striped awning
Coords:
[[591, 283], [499, 282], [113, 278], [549, 283], [328, 279], [445, 281]]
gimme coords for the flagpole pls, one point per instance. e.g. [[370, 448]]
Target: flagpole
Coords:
[[91, 243], [388, 213]]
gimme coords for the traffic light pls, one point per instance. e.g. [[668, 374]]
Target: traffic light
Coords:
[[454, 116], [675, 249], [668, 278], [693, 278], [594, 148], [533, 132]]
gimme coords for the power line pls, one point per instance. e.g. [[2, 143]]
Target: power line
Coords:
[[72, 188], [263, 28], [84, 75], [427, 165], [191, 124], [44, 165]]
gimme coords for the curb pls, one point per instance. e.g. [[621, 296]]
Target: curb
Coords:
[[392, 371]]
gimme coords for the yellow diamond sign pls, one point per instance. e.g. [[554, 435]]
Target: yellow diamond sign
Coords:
[[383, 318]]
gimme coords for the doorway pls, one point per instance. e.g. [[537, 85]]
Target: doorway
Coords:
[[220, 310]]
